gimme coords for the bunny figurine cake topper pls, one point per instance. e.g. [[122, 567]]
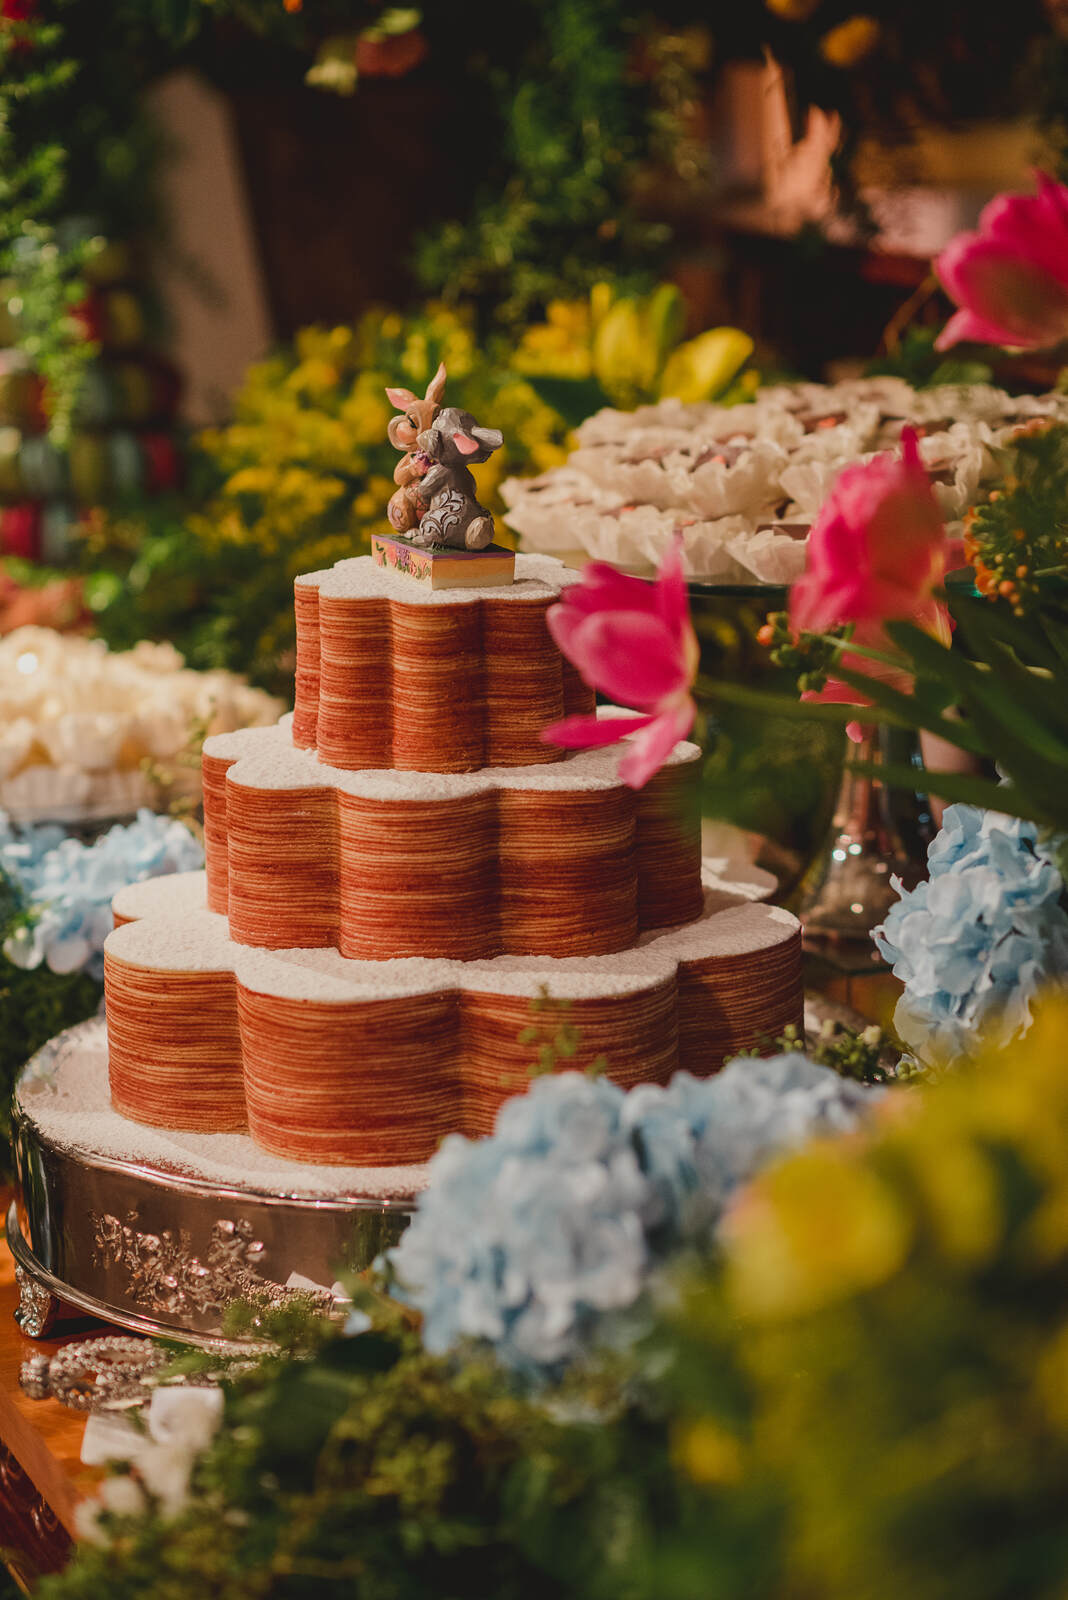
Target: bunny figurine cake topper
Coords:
[[436, 504], [441, 535]]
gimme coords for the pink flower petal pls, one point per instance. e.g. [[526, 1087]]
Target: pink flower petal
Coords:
[[628, 656], [1011, 292], [651, 748], [563, 621], [603, 588], [672, 600], [965, 327], [589, 733], [1033, 227]]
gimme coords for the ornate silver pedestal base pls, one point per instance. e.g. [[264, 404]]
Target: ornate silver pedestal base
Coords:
[[162, 1251], [37, 1308]]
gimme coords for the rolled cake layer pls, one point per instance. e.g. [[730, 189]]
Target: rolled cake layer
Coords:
[[371, 1062], [394, 675], [559, 859]]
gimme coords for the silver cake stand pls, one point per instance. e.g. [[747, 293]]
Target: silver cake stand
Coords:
[[163, 1247]]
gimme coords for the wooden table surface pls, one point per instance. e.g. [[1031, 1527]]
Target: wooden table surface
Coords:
[[43, 1436]]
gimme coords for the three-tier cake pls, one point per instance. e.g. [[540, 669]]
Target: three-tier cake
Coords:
[[396, 871]]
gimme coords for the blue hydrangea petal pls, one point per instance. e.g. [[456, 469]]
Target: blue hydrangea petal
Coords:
[[531, 1238]]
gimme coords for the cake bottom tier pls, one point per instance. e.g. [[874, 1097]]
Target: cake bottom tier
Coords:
[[160, 1231], [370, 1063]]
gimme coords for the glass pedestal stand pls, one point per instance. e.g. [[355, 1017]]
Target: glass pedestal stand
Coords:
[[848, 891]]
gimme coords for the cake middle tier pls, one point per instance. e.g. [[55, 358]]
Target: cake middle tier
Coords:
[[561, 859]]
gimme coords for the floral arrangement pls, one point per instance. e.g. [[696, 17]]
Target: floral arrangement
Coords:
[[980, 940], [1010, 689], [628, 350], [55, 912], [878, 550], [86, 732], [529, 1238], [60, 889], [895, 1297]]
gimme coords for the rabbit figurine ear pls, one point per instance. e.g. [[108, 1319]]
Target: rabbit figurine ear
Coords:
[[489, 438], [401, 398], [435, 389], [465, 444]]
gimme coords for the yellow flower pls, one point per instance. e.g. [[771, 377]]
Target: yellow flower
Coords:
[[706, 1453], [559, 346], [958, 1189], [602, 298], [702, 367], [250, 480], [812, 1231], [850, 42]]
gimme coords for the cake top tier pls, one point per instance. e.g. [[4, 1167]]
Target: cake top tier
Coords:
[[539, 579], [392, 673]]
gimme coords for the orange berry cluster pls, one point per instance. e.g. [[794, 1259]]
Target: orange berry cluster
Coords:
[[1018, 539]]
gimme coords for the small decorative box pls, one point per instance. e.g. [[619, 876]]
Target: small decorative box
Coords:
[[442, 568]]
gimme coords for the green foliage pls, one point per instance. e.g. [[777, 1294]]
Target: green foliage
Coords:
[[34, 1007], [1018, 540], [556, 1041], [809, 656], [372, 1469], [1010, 691], [917, 361], [554, 217], [844, 1050], [767, 773], [42, 280]]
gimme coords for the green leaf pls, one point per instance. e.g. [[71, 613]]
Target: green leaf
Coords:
[[1041, 698], [961, 787], [781, 705], [574, 398], [907, 710], [1027, 752], [981, 617]]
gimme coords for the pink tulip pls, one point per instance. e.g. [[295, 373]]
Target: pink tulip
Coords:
[[877, 553], [1011, 278], [633, 641], [877, 548]]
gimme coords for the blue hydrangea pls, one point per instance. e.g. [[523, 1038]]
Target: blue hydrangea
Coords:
[[529, 1238], [975, 944], [65, 888]]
